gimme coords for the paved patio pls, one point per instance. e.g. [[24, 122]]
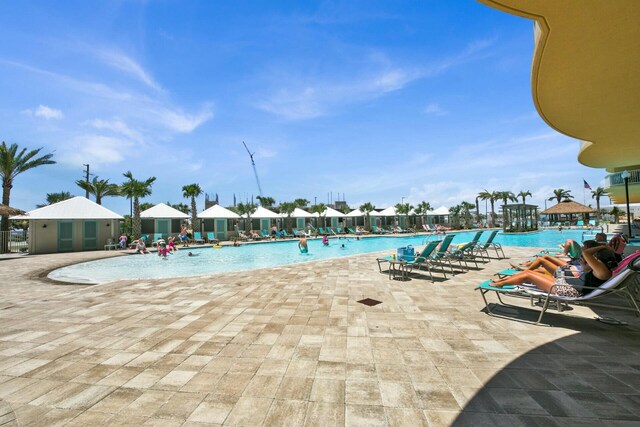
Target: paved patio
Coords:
[[291, 346]]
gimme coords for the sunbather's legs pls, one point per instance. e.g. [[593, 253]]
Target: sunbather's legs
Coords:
[[549, 263], [542, 281]]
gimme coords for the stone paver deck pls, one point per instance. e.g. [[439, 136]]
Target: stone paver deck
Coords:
[[291, 346]]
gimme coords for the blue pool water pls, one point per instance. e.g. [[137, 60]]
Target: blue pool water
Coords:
[[248, 257]]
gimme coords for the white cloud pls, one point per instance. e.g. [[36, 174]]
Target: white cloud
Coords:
[[116, 126], [98, 150], [179, 121], [122, 62], [435, 110], [45, 112]]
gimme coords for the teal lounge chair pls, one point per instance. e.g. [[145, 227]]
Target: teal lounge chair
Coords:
[[351, 230], [211, 237], [321, 230], [197, 237], [483, 248], [443, 256], [422, 260], [330, 231]]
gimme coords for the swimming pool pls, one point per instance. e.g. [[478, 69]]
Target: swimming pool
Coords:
[[249, 257]]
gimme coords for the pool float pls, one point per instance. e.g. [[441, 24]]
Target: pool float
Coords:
[[216, 246]]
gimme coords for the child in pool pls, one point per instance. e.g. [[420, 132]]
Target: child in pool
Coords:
[[325, 240]]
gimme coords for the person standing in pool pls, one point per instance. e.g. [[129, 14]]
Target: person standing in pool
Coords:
[[325, 240], [302, 245]]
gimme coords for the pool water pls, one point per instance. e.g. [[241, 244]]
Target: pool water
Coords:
[[248, 257]]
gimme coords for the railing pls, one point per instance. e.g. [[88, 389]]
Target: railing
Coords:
[[616, 178], [14, 241]]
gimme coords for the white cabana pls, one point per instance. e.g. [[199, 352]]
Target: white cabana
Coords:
[[440, 211], [162, 218], [75, 224], [355, 213], [390, 211], [264, 216], [219, 220], [301, 217], [439, 216], [334, 216]]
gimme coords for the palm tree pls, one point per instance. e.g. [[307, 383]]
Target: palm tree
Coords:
[[55, 198], [616, 212], [287, 208], [403, 209], [524, 195], [505, 196], [366, 209], [491, 197], [12, 164], [192, 191], [266, 201], [247, 209], [319, 209], [182, 207], [454, 215], [99, 188], [134, 189], [466, 212], [561, 193], [421, 210], [597, 194], [301, 203]]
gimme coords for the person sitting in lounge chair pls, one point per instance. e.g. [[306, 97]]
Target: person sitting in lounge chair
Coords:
[[617, 244], [599, 261], [141, 247]]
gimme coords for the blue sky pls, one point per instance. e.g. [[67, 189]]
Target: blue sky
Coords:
[[421, 100]]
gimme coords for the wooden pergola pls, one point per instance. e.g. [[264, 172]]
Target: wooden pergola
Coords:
[[519, 218]]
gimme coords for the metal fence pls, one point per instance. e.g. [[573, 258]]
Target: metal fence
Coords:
[[14, 241]]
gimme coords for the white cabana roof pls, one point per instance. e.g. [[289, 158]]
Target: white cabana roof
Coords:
[[217, 211], [332, 213], [301, 213], [440, 211], [390, 211], [162, 210], [374, 213], [75, 208], [263, 213], [355, 213]]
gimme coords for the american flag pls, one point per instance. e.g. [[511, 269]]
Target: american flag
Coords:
[[586, 185]]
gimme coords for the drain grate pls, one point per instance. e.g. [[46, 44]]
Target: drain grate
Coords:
[[370, 302]]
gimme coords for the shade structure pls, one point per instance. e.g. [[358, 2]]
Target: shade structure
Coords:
[[163, 211], [8, 210], [217, 211], [75, 208], [301, 213], [568, 207], [390, 211], [355, 213], [440, 211], [263, 213], [332, 213]]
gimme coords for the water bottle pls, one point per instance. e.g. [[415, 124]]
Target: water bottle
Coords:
[[560, 279]]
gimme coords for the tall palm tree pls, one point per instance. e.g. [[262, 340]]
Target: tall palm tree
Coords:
[[505, 196], [192, 191], [366, 209], [99, 188], [301, 203], [182, 207], [524, 194], [266, 201], [247, 209], [597, 194], [12, 164], [319, 209], [616, 212], [421, 210], [491, 197], [55, 198], [477, 208], [287, 208], [560, 193], [134, 189]]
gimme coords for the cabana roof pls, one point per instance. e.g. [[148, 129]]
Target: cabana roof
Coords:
[[75, 208], [332, 213], [163, 211], [390, 211], [440, 211], [568, 207], [355, 213], [263, 213], [217, 211], [301, 213]]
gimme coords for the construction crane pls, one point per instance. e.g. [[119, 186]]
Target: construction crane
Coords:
[[253, 164]]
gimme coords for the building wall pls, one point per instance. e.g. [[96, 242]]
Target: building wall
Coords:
[[43, 235]]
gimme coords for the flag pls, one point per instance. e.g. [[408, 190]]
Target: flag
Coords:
[[586, 185]]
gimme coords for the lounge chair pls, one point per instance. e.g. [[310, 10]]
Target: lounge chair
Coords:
[[339, 230], [624, 284], [264, 234], [352, 231], [211, 237], [483, 248], [330, 231], [197, 237], [421, 260], [321, 230], [443, 256]]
